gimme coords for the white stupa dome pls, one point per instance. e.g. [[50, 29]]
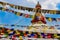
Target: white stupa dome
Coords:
[[38, 25]]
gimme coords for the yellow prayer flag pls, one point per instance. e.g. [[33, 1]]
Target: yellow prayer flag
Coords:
[[54, 12], [51, 12], [18, 13], [3, 9], [20, 37], [50, 19], [55, 36], [33, 16]]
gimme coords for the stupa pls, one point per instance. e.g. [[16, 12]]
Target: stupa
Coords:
[[38, 19]]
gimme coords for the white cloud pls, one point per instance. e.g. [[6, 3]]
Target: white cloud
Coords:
[[47, 4], [34, 1]]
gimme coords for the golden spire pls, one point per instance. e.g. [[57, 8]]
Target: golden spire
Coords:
[[38, 5]]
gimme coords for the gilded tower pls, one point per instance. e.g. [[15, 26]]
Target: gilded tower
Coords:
[[38, 17]]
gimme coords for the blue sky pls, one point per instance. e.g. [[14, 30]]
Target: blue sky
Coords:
[[58, 5], [10, 18]]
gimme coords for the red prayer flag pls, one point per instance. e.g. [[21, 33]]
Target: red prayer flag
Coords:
[[58, 19], [27, 15], [49, 36]]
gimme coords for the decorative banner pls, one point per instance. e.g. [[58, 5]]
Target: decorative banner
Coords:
[[51, 19], [28, 15], [30, 9], [18, 33]]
